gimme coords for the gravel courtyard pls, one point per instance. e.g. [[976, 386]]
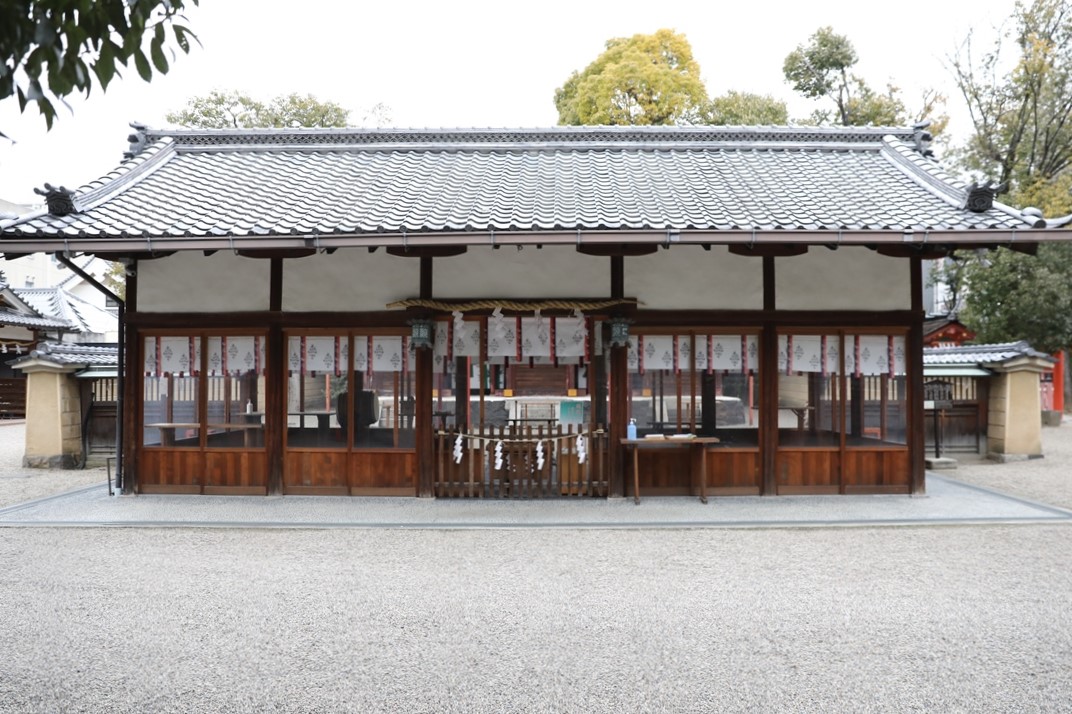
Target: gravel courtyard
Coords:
[[965, 618]]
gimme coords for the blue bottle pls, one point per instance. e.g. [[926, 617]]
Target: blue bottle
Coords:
[[630, 431]]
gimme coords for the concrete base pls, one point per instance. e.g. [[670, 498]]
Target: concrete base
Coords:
[[940, 464], [1051, 417], [64, 462], [1010, 458]]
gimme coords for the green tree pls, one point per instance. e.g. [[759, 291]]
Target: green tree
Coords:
[[643, 79], [50, 49], [821, 70], [745, 109], [1022, 115], [1012, 296], [235, 110]]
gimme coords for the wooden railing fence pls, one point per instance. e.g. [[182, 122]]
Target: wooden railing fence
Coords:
[[504, 462]]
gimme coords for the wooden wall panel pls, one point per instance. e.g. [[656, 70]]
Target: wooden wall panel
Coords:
[[394, 471], [885, 471], [661, 469], [234, 471], [733, 469], [315, 472], [170, 471], [807, 471]]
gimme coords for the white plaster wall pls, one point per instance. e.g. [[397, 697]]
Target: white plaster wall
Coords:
[[190, 282], [849, 278], [349, 280], [550, 272], [687, 277]]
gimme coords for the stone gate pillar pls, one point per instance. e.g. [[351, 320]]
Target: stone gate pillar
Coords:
[[53, 418]]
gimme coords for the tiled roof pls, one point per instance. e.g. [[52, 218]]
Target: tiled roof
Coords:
[[63, 353], [16, 311], [981, 354], [183, 188], [77, 314]]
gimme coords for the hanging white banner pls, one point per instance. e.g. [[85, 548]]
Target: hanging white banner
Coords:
[[180, 355], [571, 334], [535, 337], [467, 338], [502, 337], [320, 354], [386, 354], [361, 352]]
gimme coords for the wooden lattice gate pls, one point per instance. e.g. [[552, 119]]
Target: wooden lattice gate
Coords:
[[503, 462]]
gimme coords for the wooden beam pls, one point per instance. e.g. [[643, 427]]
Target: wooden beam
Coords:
[[926, 252], [426, 277], [769, 250], [275, 285], [617, 250], [617, 277], [273, 253], [426, 251]]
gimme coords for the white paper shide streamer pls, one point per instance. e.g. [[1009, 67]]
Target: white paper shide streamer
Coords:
[[582, 449], [458, 450], [498, 455], [539, 454]]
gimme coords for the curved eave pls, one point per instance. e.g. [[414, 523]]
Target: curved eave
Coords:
[[120, 245]]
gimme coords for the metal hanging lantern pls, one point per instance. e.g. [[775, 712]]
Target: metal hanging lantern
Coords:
[[421, 334], [619, 332]]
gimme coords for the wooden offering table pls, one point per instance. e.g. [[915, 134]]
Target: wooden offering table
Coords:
[[698, 463]]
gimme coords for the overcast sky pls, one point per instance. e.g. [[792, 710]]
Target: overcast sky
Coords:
[[476, 64]]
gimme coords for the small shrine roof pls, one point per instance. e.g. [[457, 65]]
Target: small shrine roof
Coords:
[[981, 354]]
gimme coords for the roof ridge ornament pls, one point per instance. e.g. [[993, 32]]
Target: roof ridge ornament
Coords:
[[59, 199], [980, 197], [923, 138], [138, 140]]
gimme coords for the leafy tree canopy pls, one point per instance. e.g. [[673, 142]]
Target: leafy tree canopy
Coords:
[[50, 49], [643, 79], [821, 69], [745, 109], [1022, 109], [1012, 296], [235, 110]]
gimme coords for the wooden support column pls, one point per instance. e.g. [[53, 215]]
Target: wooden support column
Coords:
[[619, 417], [274, 399], [768, 384], [424, 379], [914, 366], [133, 387], [425, 439]]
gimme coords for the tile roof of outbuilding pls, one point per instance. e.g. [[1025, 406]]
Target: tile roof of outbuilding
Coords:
[[67, 354], [981, 354], [183, 188]]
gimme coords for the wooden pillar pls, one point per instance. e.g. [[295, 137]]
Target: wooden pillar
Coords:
[[914, 366], [619, 417], [424, 378], [274, 400], [1059, 382], [768, 384], [133, 389], [423, 412]]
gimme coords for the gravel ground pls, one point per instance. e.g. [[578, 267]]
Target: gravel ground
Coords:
[[1047, 480], [18, 484], [950, 619], [908, 619]]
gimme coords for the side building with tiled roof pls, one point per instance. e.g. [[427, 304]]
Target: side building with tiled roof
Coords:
[[491, 312]]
